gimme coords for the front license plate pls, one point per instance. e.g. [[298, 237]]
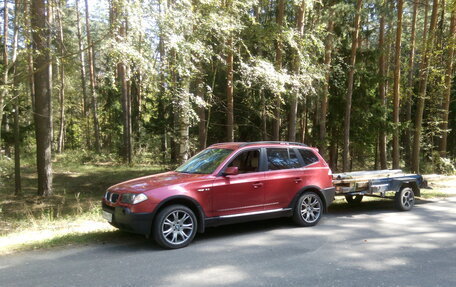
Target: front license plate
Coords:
[[107, 216]]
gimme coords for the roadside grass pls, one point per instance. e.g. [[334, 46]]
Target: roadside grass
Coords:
[[72, 216]]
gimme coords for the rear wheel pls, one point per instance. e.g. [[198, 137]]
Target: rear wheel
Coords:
[[308, 209], [175, 227], [354, 199], [404, 199]]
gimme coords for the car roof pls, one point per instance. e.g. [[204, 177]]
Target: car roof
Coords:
[[237, 145]]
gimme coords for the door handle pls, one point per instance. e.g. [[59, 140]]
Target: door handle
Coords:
[[297, 180], [257, 185]]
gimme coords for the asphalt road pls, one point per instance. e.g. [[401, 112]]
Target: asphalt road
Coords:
[[374, 245]]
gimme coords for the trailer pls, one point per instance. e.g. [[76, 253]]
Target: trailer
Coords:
[[380, 183]]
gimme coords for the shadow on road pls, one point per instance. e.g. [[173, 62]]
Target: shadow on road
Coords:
[[119, 241]]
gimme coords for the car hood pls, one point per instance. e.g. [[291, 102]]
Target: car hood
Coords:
[[146, 183]]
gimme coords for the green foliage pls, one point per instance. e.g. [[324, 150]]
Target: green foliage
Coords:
[[176, 53]]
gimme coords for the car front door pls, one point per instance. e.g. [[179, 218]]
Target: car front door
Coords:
[[243, 192]]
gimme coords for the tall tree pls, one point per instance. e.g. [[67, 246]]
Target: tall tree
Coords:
[[96, 125], [229, 91], [85, 100], [397, 82], [122, 70], [4, 91], [325, 97], [42, 115], [278, 65], [348, 99], [410, 85], [424, 73], [382, 91], [61, 67], [17, 143], [448, 82], [301, 9], [229, 82]]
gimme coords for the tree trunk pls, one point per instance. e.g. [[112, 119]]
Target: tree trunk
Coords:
[[424, 72], [92, 81], [4, 91], [17, 143], [31, 77], [125, 98], [296, 68], [278, 65], [264, 117], [448, 81], [85, 100], [382, 93], [348, 100], [202, 128], [409, 99], [184, 123], [325, 97], [229, 92], [42, 115], [62, 83], [51, 61], [397, 82]]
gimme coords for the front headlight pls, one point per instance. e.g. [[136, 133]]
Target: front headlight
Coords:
[[133, 198]]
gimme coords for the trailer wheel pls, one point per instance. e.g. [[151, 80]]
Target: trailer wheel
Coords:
[[353, 199], [404, 199]]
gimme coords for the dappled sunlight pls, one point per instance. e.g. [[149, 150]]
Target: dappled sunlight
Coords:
[[211, 276], [17, 240]]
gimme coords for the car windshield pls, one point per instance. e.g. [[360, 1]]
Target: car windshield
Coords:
[[205, 162]]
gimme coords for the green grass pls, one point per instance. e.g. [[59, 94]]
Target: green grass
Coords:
[[66, 216], [433, 193]]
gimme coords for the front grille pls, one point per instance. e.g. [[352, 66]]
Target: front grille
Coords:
[[112, 196]]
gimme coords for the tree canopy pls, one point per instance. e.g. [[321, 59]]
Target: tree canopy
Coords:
[[370, 83]]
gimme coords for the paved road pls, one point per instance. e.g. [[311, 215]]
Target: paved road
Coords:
[[371, 246]]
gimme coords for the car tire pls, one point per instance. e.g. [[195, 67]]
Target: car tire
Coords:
[[353, 199], [175, 227], [308, 210], [404, 199]]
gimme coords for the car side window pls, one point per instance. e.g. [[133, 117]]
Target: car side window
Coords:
[[282, 158], [308, 156], [247, 161]]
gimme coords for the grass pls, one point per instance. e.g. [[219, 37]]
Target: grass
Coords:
[[72, 216]]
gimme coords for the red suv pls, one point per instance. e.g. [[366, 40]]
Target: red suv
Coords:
[[225, 183]]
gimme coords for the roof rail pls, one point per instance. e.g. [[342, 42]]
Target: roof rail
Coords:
[[273, 142]]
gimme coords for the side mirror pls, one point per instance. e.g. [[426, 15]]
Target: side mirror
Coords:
[[232, 170]]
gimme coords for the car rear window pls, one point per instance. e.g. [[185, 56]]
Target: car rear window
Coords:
[[308, 156], [282, 158]]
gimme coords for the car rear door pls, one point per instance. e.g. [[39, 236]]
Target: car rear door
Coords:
[[283, 177]]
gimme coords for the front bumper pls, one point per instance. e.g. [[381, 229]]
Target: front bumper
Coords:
[[124, 219]]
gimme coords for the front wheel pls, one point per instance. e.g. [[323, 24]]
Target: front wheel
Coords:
[[308, 209], [404, 199], [175, 227]]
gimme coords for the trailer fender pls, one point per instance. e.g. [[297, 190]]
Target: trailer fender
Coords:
[[398, 185]]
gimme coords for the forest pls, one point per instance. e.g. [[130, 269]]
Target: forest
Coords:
[[368, 82]]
